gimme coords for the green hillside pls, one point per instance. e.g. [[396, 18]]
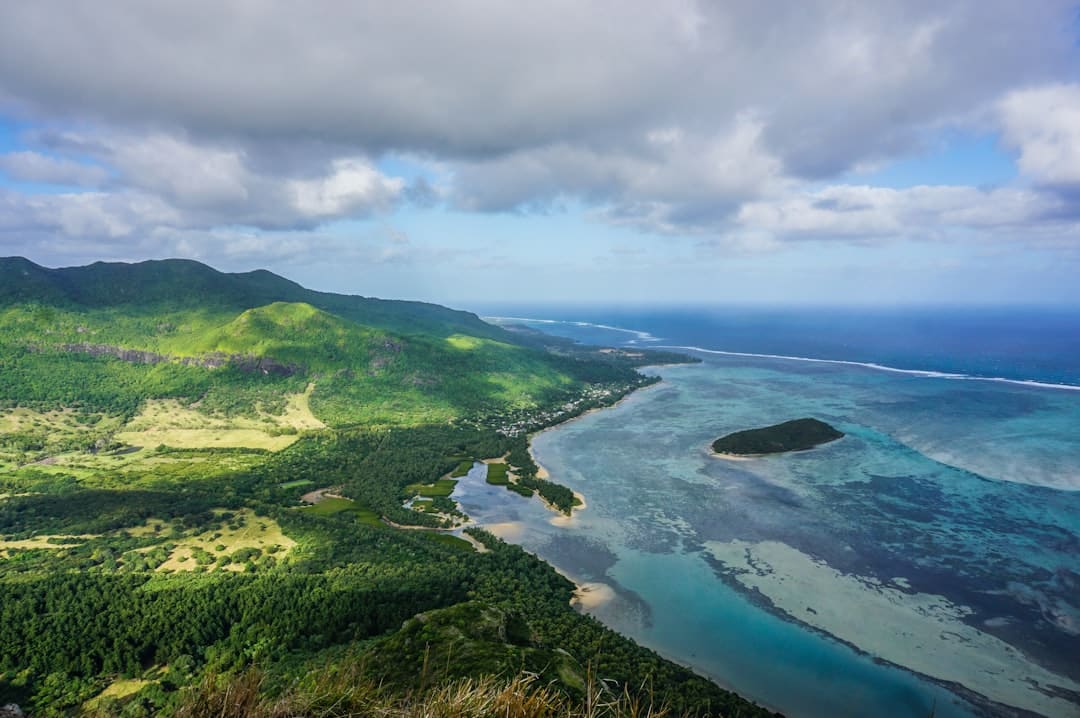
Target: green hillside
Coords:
[[181, 284], [371, 361], [213, 484]]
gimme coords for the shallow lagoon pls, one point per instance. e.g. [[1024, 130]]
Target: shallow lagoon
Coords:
[[887, 538]]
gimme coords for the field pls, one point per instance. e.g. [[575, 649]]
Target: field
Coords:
[[440, 489], [239, 540], [497, 474], [462, 469], [168, 422], [333, 505], [41, 542]]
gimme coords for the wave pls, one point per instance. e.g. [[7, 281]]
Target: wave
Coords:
[[929, 374], [641, 335], [924, 373]]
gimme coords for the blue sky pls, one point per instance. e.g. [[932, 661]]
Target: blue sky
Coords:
[[471, 154]]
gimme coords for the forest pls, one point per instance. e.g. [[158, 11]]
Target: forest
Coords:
[[159, 538]]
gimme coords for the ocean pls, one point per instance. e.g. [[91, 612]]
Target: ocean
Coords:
[[929, 561]]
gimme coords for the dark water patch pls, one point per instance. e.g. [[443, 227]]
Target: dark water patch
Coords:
[[967, 403], [586, 558]]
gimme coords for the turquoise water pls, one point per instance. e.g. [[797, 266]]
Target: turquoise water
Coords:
[[942, 488]]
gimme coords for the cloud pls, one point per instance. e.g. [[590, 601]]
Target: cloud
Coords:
[[731, 122], [210, 184], [353, 186], [474, 79], [97, 215], [667, 179], [861, 213], [1043, 123], [29, 166]]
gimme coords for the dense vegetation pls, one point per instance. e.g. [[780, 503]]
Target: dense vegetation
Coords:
[[159, 424], [795, 435]]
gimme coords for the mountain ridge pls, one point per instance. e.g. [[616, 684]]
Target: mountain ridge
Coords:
[[186, 282]]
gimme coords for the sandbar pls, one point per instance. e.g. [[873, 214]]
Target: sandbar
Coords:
[[506, 530], [919, 631], [592, 594]]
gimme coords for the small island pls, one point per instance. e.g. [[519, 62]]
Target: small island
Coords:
[[795, 435]]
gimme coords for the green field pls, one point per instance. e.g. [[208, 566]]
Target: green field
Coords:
[[298, 483], [449, 540], [497, 474], [440, 489], [462, 469], [332, 506]]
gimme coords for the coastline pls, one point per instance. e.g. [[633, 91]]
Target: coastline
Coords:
[[588, 595], [565, 520]]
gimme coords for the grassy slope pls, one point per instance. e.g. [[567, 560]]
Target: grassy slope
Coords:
[[375, 362], [94, 531]]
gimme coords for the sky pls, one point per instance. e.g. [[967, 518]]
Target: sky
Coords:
[[634, 152]]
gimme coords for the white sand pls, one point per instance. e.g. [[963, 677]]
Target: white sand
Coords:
[[507, 530], [562, 520], [592, 595], [922, 632], [480, 548], [541, 472]]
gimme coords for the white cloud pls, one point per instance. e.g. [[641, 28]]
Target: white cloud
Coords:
[[353, 186], [727, 121], [849, 212], [667, 179], [29, 166], [838, 83], [1043, 123], [210, 184], [97, 215]]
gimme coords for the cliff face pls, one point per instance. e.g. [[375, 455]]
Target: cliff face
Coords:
[[249, 364]]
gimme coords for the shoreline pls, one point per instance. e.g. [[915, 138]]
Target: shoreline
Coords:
[[588, 596], [562, 519]]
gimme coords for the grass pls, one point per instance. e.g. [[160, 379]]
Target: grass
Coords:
[[169, 422], [424, 505], [331, 506], [39, 542], [296, 484], [346, 691], [119, 689], [440, 489], [449, 540], [27, 435], [497, 474], [250, 532], [462, 469]]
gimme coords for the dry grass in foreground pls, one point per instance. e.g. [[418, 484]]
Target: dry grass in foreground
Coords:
[[347, 695]]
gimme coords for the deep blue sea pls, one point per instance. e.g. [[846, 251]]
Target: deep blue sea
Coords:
[[929, 560]]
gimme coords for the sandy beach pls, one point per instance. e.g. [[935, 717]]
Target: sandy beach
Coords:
[[732, 457], [506, 530], [592, 594], [564, 521], [922, 632]]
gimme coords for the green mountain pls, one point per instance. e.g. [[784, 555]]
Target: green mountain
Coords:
[[220, 485], [370, 361], [173, 284]]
